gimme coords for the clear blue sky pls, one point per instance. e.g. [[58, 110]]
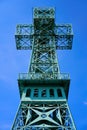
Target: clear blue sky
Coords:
[[13, 12]]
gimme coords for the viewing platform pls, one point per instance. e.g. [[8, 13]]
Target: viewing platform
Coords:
[[44, 80]]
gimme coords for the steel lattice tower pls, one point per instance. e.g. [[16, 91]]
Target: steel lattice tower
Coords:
[[44, 90]]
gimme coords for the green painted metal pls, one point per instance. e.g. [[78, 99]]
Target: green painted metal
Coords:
[[44, 90]]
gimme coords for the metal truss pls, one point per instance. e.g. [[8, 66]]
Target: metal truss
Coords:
[[61, 33], [44, 59], [43, 116], [44, 37], [44, 25]]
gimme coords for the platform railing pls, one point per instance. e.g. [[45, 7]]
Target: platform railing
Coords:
[[44, 76]]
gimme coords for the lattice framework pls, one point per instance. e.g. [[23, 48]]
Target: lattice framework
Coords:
[[44, 37]]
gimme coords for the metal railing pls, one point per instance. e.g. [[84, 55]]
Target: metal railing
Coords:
[[44, 76]]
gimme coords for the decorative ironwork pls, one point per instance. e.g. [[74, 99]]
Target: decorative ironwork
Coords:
[[43, 117]]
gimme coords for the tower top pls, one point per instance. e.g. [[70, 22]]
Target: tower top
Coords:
[[62, 33], [44, 13]]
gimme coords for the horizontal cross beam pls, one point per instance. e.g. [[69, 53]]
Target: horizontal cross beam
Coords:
[[62, 34]]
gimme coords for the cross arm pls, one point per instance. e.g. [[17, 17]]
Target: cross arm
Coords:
[[63, 36], [23, 36]]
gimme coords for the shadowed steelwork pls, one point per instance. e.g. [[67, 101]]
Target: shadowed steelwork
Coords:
[[43, 90]]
